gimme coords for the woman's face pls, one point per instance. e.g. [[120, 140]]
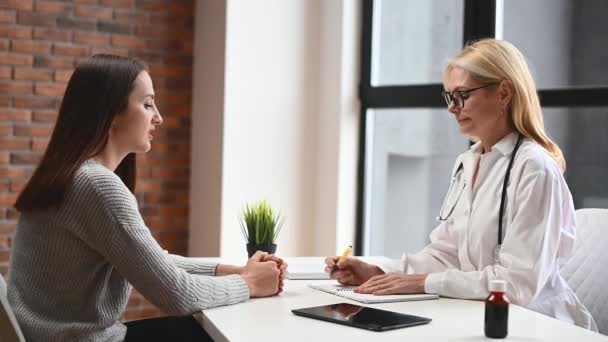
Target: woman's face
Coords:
[[132, 129], [482, 108]]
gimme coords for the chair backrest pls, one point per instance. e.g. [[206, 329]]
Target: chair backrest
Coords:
[[585, 270], [9, 328]]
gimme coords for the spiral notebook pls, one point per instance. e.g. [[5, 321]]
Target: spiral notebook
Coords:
[[347, 292]]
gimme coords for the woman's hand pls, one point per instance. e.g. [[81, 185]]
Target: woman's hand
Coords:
[[262, 277], [281, 264], [351, 271], [394, 283]]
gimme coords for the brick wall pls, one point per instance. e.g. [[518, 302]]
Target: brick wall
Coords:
[[40, 43]]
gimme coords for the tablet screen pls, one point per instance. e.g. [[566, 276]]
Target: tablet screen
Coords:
[[361, 316]]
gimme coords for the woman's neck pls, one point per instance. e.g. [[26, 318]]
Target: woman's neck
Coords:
[[109, 158], [494, 136]]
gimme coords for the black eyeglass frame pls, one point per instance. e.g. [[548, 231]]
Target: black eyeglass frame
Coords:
[[450, 98]]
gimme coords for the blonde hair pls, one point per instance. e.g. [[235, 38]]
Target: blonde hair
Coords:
[[492, 61]]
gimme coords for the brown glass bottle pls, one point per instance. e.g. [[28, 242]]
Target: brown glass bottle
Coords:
[[497, 311]]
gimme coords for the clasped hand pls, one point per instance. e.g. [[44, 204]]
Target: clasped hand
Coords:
[[264, 274]]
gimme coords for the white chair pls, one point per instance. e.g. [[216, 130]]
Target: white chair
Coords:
[[585, 270], [9, 328]]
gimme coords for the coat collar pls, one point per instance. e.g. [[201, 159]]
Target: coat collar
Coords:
[[504, 146]]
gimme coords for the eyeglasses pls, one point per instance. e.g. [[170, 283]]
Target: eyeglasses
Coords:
[[458, 96]]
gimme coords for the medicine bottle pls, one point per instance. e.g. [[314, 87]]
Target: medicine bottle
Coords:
[[497, 310]]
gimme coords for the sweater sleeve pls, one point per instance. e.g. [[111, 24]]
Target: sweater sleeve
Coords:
[[113, 226], [193, 266]]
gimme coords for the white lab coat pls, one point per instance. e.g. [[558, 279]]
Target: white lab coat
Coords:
[[539, 230]]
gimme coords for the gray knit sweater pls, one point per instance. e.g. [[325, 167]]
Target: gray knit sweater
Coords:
[[71, 267]]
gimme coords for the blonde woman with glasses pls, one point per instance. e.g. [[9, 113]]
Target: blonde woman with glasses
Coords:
[[508, 213]]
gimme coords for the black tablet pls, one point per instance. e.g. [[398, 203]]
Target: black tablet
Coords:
[[361, 316]]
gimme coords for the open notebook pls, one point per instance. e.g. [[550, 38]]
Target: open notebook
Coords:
[[347, 292]]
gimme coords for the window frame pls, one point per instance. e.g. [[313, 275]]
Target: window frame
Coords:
[[479, 22]]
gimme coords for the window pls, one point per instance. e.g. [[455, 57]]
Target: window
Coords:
[[408, 139]]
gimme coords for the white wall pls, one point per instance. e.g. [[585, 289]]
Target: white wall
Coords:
[[207, 128], [282, 127]]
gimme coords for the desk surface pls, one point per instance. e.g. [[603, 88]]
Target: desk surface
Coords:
[[270, 319]]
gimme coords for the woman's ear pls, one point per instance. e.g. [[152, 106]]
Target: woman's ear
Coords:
[[505, 93]]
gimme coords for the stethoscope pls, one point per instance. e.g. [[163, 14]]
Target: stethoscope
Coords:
[[458, 175]]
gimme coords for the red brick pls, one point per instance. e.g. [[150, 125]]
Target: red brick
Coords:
[[174, 236], [172, 122], [110, 50], [44, 116], [169, 172], [31, 46], [54, 62], [128, 41], [149, 211], [149, 185], [12, 31], [10, 114], [4, 255], [6, 72], [18, 4], [8, 16], [25, 158], [36, 19], [6, 101], [5, 157], [169, 98], [5, 242], [13, 87], [52, 6], [18, 186], [7, 144], [71, 50], [50, 89], [33, 130], [63, 75], [152, 32], [173, 211], [33, 74], [52, 34], [70, 22], [5, 129], [85, 1], [12, 214], [152, 5], [113, 27], [8, 227], [118, 3], [35, 102], [16, 59], [93, 12], [5, 44], [39, 144], [130, 17], [91, 38], [15, 172], [164, 44]]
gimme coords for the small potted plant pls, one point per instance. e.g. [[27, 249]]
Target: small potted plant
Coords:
[[261, 226]]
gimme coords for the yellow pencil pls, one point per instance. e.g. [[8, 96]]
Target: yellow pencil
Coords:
[[345, 255]]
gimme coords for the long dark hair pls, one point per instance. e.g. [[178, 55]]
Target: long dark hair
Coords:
[[97, 91]]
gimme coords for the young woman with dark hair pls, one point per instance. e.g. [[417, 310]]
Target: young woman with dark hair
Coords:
[[81, 241]]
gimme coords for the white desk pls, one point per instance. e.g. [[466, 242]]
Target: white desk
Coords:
[[270, 319]]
